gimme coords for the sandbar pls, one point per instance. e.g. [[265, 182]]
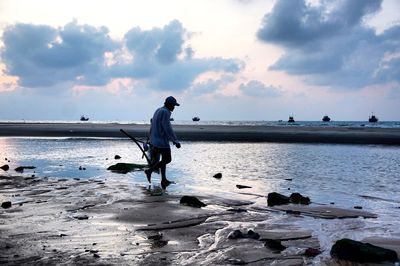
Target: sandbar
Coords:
[[198, 132]]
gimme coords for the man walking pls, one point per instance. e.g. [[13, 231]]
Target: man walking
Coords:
[[161, 133]]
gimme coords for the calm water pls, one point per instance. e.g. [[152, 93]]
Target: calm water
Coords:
[[349, 175]]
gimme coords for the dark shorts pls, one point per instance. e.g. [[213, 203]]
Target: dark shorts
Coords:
[[165, 154]]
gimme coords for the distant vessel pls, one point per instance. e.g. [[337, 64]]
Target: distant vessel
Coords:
[[291, 119], [373, 119], [83, 118], [196, 118], [326, 118]]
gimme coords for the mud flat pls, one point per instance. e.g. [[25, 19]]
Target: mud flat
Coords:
[[108, 221]]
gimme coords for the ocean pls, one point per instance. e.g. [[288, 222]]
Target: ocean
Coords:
[[330, 174]]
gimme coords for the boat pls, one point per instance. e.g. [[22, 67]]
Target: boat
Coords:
[[83, 118], [196, 118], [372, 119], [326, 118], [291, 119]]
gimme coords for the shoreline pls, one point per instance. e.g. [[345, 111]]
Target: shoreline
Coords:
[[229, 133]]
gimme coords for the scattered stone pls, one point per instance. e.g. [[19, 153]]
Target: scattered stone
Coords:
[[156, 236], [192, 201], [332, 203], [95, 255], [288, 179], [6, 204], [117, 157], [312, 252], [81, 216], [358, 207], [124, 168], [94, 244], [297, 198], [238, 234], [5, 167], [237, 210], [218, 176], [94, 251], [356, 251], [61, 235], [293, 212], [20, 169], [274, 244], [242, 186], [275, 198], [235, 234]]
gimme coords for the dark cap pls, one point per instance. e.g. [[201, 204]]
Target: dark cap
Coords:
[[171, 100]]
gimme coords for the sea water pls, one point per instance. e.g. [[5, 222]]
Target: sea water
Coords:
[[346, 175]]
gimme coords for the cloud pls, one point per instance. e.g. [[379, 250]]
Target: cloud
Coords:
[[256, 88], [211, 85], [329, 43], [160, 58], [44, 56]]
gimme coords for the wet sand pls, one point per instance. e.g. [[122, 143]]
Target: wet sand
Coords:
[[197, 132], [115, 222]]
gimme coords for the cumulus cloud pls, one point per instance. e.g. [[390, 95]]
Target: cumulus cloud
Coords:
[[256, 88], [43, 56], [212, 85], [330, 43]]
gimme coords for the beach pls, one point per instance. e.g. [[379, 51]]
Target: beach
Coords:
[[71, 210], [352, 135]]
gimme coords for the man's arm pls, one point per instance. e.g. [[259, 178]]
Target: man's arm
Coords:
[[166, 124]]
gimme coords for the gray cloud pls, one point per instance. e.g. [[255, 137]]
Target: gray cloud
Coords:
[[42, 56], [330, 44], [256, 88]]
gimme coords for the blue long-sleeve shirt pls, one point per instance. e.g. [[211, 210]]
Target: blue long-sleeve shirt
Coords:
[[161, 131]]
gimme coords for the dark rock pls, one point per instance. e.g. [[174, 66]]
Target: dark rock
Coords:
[[356, 251], [81, 216], [235, 234], [117, 157], [5, 167], [20, 169], [192, 201], [312, 252], [6, 204], [275, 198], [124, 168], [274, 245], [218, 176], [293, 212], [238, 234], [95, 255], [242, 186], [358, 207], [61, 235], [253, 235], [237, 210], [297, 198], [288, 179], [332, 203]]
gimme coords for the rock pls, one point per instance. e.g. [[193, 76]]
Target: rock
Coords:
[[218, 176], [117, 157], [81, 216], [6, 204], [356, 251], [20, 169], [275, 198], [124, 168], [274, 245], [288, 179], [312, 252], [238, 234], [5, 167], [235, 234], [297, 198], [358, 207], [236, 210], [192, 201], [242, 186]]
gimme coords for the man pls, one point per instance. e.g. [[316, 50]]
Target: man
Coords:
[[161, 133]]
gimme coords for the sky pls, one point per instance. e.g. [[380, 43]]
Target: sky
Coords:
[[221, 59]]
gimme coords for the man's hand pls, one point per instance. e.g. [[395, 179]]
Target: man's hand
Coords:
[[177, 144]]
